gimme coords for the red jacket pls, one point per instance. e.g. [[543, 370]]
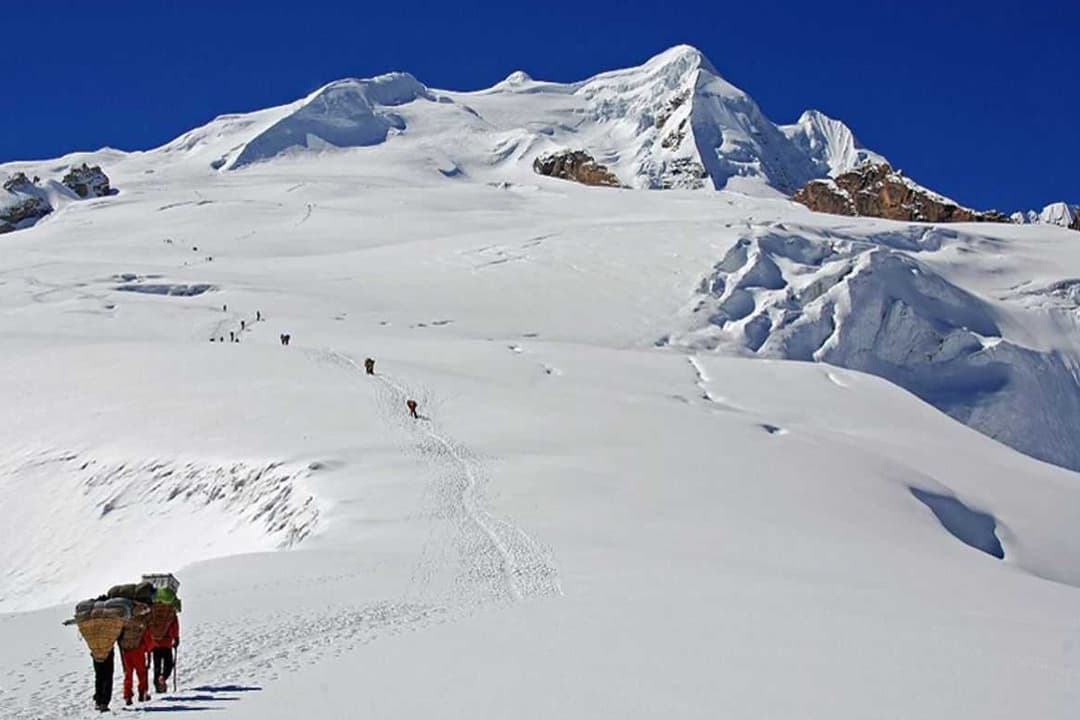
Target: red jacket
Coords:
[[171, 636]]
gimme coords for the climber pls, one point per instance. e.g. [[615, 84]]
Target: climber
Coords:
[[411, 404], [164, 628], [369, 366], [101, 633], [135, 643]]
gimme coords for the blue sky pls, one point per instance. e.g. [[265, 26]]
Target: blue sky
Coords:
[[978, 100]]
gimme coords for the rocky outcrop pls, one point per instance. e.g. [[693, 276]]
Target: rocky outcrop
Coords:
[[21, 203], [575, 165], [876, 190], [1075, 223], [683, 174], [86, 181]]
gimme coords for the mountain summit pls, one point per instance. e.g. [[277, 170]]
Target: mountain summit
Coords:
[[672, 122]]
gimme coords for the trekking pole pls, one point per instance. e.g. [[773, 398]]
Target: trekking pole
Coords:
[[176, 668]]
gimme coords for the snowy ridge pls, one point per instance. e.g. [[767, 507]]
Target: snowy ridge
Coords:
[[829, 143], [672, 122], [347, 113]]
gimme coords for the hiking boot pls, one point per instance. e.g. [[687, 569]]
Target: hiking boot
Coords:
[[102, 707], [144, 697], [159, 684], [127, 700]]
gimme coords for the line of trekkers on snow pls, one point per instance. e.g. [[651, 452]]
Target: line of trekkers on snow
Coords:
[[234, 335], [142, 618]]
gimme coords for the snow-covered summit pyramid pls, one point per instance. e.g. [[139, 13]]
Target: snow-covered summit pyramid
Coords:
[[672, 122], [829, 143]]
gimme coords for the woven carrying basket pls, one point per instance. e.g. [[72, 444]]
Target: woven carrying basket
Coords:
[[100, 635], [135, 628]]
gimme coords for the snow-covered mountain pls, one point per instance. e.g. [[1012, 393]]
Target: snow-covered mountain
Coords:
[[672, 122], [1058, 213], [674, 448]]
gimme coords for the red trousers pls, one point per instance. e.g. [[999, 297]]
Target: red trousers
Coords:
[[134, 660]]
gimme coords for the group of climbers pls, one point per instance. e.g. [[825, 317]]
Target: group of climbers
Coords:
[[142, 618], [413, 407], [234, 335]]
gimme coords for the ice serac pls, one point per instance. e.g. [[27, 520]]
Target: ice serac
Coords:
[[346, 113], [865, 301]]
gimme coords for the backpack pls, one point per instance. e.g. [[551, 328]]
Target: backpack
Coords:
[[139, 592], [161, 617]]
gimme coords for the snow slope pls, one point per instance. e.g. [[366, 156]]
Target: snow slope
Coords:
[[628, 496]]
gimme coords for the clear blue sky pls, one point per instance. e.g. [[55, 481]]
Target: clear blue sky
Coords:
[[978, 100]]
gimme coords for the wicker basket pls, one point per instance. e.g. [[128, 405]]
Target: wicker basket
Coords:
[[101, 634], [135, 628]]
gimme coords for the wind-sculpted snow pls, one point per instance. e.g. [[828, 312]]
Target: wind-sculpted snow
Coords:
[[347, 113], [95, 510], [867, 303]]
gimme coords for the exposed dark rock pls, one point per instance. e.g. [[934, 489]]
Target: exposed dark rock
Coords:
[[88, 181], [1076, 222], [674, 138], [671, 106], [879, 191], [20, 203], [683, 174], [575, 165]]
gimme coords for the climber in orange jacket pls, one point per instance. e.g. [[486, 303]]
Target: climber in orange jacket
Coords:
[[135, 642]]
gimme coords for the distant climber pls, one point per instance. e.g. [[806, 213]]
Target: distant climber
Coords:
[[258, 316], [232, 336], [411, 404], [369, 366], [224, 308], [285, 338], [243, 325], [164, 628]]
